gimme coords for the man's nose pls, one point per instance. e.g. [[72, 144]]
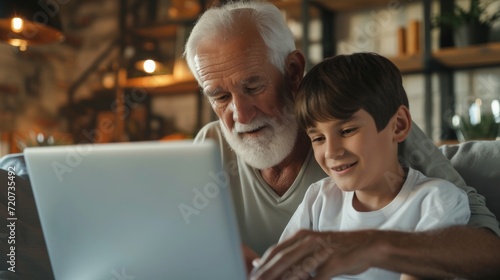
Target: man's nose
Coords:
[[243, 109]]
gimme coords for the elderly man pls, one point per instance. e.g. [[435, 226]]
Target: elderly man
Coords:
[[244, 59]]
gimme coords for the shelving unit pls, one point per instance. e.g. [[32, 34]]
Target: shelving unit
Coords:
[[453, 58], [469, 57], [443, 62], [123, 99], [173, 29]]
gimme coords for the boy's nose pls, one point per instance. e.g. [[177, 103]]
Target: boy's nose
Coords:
[[334, 149]]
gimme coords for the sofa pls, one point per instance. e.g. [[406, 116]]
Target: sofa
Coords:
[[478, 162], [32, 260]]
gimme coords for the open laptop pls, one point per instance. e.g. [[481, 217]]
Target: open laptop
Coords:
[[148, 210]]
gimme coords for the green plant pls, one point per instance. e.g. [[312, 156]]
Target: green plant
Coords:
[[487, 129], [476, 15]]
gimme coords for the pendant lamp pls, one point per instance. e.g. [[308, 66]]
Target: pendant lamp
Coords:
[[26, 23]]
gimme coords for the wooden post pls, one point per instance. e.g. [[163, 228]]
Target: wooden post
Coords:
[[120, 108]]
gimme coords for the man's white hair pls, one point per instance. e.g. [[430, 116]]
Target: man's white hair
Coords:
[[219, 21]]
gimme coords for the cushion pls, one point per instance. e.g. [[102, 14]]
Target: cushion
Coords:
[[478, 162]]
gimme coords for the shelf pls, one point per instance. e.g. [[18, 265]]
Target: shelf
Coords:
[[456, 58], [341, 5], [286, 4], [408, 63], [481, 55], [164, 29], [156, 31], [163, 85]]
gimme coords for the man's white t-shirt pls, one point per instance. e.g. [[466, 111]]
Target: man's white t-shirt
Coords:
[[422, 204], [262, 214]]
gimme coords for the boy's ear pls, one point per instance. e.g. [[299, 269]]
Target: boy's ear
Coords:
[[294, 67], [402, 124]]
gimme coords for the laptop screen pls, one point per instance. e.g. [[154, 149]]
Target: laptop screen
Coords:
[[148, 210]]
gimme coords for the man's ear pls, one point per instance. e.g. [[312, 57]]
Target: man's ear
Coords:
[[294, 66], [402, 124]]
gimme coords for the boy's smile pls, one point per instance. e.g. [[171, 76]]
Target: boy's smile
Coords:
[[342, 169]]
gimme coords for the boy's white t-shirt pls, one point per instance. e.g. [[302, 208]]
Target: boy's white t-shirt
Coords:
[[422, 203]]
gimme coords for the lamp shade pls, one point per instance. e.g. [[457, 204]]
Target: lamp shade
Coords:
[[29, 22]]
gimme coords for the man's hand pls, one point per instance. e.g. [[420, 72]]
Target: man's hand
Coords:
[[322, 254], [248, 255], [457, 251]]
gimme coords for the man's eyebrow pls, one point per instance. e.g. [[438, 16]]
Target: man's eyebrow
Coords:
[[215, 91], [212, 92], [251, 80]]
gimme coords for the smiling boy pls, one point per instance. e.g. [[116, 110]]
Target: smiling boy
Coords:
[[356, 112]]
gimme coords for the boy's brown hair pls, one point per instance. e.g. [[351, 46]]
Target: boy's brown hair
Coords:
[[341, 85]]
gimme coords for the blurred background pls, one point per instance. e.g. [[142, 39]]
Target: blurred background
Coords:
[[92, 71]]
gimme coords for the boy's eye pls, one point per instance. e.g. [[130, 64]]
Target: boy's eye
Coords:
[[348, 131], [317, 138]]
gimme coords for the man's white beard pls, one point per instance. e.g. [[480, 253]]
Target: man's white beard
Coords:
[[271, 147]]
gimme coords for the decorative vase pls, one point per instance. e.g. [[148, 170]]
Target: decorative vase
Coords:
[[471, 34], [477, 119]]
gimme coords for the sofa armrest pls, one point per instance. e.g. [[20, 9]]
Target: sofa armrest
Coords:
[[32, 260], [16, 161]]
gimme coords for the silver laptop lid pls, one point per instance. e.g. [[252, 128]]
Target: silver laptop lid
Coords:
[[147, 210]]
